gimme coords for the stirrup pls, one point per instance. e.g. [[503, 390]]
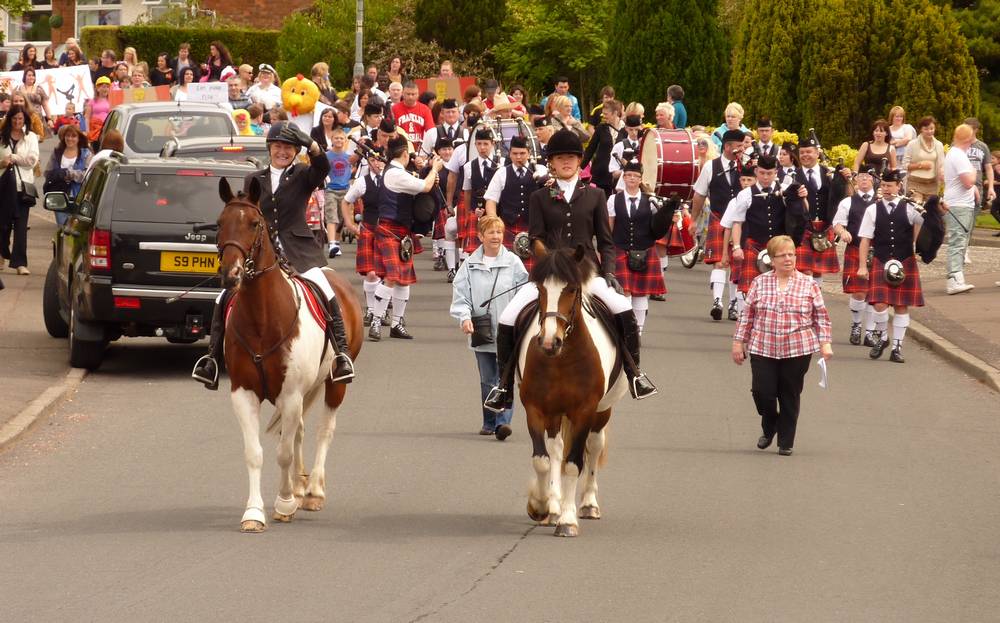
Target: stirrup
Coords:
[[635, 387], [497, 395], [210, 382], [348, 376]]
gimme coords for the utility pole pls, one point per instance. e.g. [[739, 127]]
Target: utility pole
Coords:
[[359, 37]]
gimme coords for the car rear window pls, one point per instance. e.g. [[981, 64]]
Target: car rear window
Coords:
[[185, 196], [147, 132], [237, 153]]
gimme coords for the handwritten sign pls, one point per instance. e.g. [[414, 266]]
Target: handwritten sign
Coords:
[[211, 92]]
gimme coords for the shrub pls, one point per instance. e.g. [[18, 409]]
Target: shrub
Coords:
[[246, 45], [472, 25], [95, 39]]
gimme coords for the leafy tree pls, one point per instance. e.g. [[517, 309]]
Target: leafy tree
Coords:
[[658, 43], [472, 25], [978, 21], [553, 38]]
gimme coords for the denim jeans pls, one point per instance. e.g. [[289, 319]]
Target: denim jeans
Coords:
[[489, 376], [959, 223]]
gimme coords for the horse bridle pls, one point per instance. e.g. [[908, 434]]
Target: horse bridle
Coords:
[[569, 322], [249, 266]]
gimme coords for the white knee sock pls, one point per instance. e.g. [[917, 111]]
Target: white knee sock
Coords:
[[869, 318], [734, 291], [899, 324], [400, 294], [436, 245], [717, 279], [741, 303], [448, 246], [663, 262], [640, 304], [881, 320], [369, 287], [382, 295], [857, 309]]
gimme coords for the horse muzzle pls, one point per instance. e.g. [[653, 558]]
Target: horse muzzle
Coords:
[[232, 276], [551, 347]]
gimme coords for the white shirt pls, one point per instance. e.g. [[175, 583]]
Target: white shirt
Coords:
[[705, 175], [467, 178], [956, 162], [431, 137], [396, 179], [867, 229], [844, 207], [617, 150], [500, 180], [568, 187], [817, 176], [736, 211], [628, 203], [356, 110], [268, 97], [275, 177], [458, 159]]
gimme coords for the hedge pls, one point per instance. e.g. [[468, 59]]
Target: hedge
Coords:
[[246, 45]]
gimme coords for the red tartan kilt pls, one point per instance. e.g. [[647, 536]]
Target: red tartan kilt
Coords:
[[364, 261], [908, 293], [643, 283], [713, 243], [387, 262], [468, 228], [852, 283], [438, 233], [508, 241], [808, 260], [748, 268]]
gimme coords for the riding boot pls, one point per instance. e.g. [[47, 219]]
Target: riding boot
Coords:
[[502, 396], [343, 371], [206, 369], [639, 385]]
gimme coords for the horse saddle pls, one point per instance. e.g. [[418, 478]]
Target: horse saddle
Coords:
[[315, 300]]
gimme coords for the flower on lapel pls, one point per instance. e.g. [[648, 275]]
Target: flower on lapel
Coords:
[[556, 193]]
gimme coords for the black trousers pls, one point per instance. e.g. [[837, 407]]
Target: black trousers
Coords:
[[776, 388], [17, 253]]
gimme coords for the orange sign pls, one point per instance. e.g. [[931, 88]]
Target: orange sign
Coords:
[[135, 96], [445, 88]]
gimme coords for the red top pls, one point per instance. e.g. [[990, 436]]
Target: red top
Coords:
[[414, 120], [783, 323]]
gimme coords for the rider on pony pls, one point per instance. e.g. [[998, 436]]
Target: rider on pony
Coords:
[[565, 215], [285, 190]]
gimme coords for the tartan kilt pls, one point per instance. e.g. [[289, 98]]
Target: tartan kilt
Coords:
[[908, 293], [364, 261], [387, 262], [438, 233], [508, 241], [748, 268], [852, 283], [418, 247], [468, 228], [642, 283], [713, 241], [808, 260]]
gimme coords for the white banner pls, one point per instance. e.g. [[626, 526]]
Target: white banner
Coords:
[[212, 92], [66, 84]]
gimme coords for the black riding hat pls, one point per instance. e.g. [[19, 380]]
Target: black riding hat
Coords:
[[564, 142]]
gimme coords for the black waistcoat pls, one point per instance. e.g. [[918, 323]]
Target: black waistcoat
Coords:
[[857, 212], [632, 233], [513, 204], [765, 217], [369, 214], [720, 192], [893, 233]]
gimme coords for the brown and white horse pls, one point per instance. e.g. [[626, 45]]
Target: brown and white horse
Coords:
[[275, 351], [568, 386]]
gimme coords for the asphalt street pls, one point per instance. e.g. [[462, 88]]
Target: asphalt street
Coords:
[[124, 504]]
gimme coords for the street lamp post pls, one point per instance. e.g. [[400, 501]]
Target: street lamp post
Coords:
[[359, 35]]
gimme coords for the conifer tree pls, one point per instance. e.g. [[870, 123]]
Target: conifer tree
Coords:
[[471, 25]]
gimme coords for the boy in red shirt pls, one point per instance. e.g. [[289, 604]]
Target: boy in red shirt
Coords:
[[412, 116]]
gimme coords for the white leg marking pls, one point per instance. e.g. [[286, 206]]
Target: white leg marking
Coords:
[[571, 476], [324, 437], [595, 445], [554, 446], [246, 407]]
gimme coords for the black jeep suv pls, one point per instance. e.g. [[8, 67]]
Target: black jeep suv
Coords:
[[124, 261]]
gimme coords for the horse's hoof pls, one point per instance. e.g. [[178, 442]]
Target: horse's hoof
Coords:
[[252, 525], [282, 518], [568, 530], [589, 512], [551, 519], [313, 503], [538, 516]]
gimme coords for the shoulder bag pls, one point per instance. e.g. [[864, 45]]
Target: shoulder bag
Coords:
[[482, 326]]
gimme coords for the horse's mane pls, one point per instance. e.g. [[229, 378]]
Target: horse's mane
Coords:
[[563, 265]]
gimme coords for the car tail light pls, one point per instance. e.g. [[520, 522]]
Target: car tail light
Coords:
[[127, 302], [99, 249], [232, 148]]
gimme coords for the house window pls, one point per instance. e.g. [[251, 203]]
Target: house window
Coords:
[[98, 13], [32, 25]]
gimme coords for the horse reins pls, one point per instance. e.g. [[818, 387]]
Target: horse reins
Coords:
[[249, 265]]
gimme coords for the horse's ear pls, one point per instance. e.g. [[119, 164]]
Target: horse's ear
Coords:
[[539, 250], [254, 190], [225, 192], [580, 253]]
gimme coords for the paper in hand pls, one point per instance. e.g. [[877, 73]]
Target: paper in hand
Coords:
[[823, 378]]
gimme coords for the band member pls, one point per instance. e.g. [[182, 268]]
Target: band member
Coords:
[[543, 132], [450, 127], [395, 217], [476, 176], [764, 143], [365, 188], [631, 213], [445, 256], [818, 180], [628, 142], [459, 157], [788, 163], [718, 182], [890, 228], [846, 224], [292, 183], [508, 192], [570, 214], [598, 153], [756, 215]]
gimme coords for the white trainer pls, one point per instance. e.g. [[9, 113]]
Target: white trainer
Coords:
[[956, 284]]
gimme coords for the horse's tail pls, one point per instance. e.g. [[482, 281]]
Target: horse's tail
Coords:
[[566, 432], [274, 426]]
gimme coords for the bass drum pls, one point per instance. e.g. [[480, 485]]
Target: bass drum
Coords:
[[669, 162], [509, 128]]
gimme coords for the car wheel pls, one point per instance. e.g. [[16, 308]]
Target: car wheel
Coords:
[[83, 353], [55, 324]]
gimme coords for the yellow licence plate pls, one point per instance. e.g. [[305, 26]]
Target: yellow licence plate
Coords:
[[188, 262]]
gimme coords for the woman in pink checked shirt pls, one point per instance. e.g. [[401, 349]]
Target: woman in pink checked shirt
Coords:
[[784, 323]]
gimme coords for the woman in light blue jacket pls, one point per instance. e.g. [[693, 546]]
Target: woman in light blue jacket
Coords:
[[490, 270]]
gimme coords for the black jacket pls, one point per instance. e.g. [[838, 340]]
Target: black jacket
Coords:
[[286, 211], [598, 154], [580, 222]]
